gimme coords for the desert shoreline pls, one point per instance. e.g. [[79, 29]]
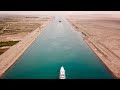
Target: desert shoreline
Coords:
[[100, 52], [7, 59], [102, 60]]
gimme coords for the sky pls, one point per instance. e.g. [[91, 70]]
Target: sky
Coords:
[[58, 12]]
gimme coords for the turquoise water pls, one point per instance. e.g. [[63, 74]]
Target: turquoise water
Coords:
[[58, 45]]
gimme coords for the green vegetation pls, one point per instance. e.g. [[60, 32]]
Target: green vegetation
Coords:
[[3, 50], [9, 43]]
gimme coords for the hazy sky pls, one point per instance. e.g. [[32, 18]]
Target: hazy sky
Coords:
[[58, 12]]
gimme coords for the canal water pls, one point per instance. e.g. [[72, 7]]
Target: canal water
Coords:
[[58, 45]]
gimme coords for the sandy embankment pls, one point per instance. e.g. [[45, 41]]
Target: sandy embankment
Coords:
[[11, 55], [106, 56], [110, 59]]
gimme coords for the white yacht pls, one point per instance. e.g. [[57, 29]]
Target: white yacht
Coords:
[[62, 73]]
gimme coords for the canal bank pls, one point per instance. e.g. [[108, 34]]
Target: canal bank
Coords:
[[100, 54], [58, 45], [8, 58], [105, 55]]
